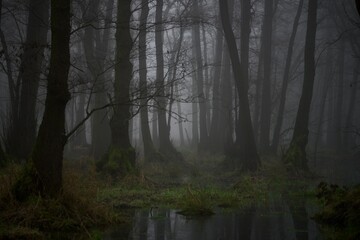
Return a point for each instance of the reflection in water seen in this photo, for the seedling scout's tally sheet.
(275, 220)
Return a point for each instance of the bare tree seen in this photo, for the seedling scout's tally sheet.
(296, 153)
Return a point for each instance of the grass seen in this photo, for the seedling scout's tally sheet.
(75, 210)
(90, 201)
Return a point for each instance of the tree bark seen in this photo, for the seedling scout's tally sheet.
(295, 156)
(245, 151)
(280, 116)
(47, 156)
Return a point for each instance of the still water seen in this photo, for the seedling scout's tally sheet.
(274, 222)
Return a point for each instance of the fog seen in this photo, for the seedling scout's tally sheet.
(207, 85)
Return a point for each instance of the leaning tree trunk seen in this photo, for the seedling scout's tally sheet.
(149, 148)
(276, 137)
(121, 156)
(47, 158)
(295, 156)
(246, 151)
(165, 146)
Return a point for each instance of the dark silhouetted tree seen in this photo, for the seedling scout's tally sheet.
(295, 155)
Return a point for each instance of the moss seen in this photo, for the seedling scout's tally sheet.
(118, 162)
(295, 157)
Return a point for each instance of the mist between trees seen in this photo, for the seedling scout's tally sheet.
(141, 81)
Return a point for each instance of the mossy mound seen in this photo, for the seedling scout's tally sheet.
(341, 210)
(118, 162)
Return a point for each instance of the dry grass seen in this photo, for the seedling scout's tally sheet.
(76, 209)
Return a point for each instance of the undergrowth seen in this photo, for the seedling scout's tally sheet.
(75, 210)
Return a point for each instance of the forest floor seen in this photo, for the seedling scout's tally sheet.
(92, 201)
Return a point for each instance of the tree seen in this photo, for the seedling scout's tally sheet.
(280, 116)
(121, 155)
(149, 148)
(2, 157)
(45, 170)
(266, 86)
(96, 48)
(296, 153)
(30, 71)
(203, 140)
(165, 146)
(215, 128)
(245, 149)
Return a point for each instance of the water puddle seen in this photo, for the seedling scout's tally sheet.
(278, 221)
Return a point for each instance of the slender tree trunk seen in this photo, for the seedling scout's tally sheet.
(203, 140)
(280, 116)
(257, 106)
(215, 128)
(349, 139)
(181, 129)
(339, 97)
(296, 154)
(266, 89)
(195, 111)
(80, 138)
(324, 93)
(207, 78)
(245, 152)
(47, 157)
(2, 157)
(165, 145)
(149, 148)
(30, 70)
(154, 128)
(100, 121)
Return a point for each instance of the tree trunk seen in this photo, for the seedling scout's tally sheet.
(266, 88)
(121, 155)
(47, 157)
(215, 128)
(203, 140)
(30, 70)
(95, 58)
(206, 80)
(149, 148)
(180, 123)
(195, 112)
(165, 145)
(280, 116)
(2, 157)
(339, 97)
(296, 154)
(323, 95)
(349, 139)
(245, 151)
